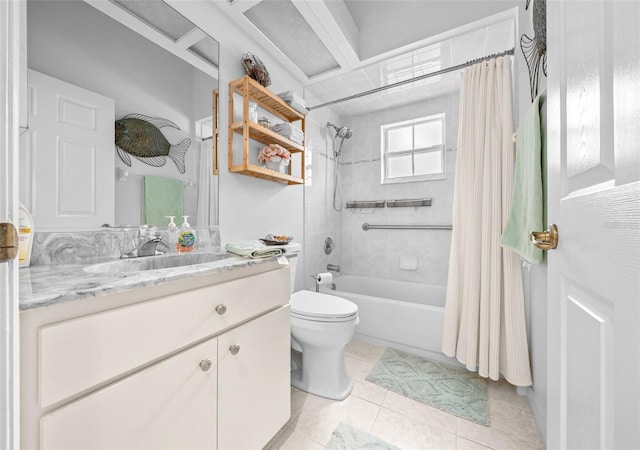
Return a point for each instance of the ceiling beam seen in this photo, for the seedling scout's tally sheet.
(338, 33)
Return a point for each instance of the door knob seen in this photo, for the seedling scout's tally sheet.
(545, 240)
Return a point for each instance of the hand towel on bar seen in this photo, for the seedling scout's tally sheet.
(253, 249)
(162, 197)
(526, 211)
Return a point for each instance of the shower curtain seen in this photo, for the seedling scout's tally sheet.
(484, 322)
(206, 208)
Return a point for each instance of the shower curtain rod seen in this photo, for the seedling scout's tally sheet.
(418, 78)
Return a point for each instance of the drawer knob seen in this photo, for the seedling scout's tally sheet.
(205, 364)
(234, 349)
(221, 309)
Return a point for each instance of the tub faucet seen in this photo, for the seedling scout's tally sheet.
(333, 268)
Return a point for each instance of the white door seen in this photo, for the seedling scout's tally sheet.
(13, 44)
(594, 198)
(68, 156)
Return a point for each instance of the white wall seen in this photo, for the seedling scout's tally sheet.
(74, 42)
(250, 208)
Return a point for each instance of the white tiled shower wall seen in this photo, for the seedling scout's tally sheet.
(377, 253)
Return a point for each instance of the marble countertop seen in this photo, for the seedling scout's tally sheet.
(45, 285)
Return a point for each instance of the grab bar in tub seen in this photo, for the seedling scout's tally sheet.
(367, 227)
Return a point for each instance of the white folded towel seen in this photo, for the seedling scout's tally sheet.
(286, 130)
(253, 249)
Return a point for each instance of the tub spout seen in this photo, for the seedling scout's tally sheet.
(333, 268)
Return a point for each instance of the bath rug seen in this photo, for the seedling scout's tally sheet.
(451, 389)
(348, 438)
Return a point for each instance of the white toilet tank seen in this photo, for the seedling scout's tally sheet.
(292, 251)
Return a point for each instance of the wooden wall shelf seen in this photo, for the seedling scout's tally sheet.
(251, 90)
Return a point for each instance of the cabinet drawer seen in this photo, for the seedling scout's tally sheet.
(78, 354)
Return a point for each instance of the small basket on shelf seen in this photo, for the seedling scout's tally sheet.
(256, 69)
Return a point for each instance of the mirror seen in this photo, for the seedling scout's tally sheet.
(166, 68)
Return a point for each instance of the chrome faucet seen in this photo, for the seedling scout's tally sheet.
(333, 268)
(148, 240)
(149, 247)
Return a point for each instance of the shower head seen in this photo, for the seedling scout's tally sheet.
(343, 132)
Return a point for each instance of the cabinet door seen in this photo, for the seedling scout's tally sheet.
(170, 405)
(254, 384)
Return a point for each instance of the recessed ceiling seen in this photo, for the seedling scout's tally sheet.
(160, 16)
(388, 25)
(160, 23)
(282, 24)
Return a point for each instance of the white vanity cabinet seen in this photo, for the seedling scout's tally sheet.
(204, 367)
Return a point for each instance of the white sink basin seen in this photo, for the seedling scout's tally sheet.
(156, 262)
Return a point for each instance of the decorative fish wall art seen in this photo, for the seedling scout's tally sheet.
(535, 49)
(140, 136)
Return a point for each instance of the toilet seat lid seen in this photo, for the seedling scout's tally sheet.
(319, 305)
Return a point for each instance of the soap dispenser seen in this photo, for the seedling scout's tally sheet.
(25, 236)
(172, 228)
(186, 237)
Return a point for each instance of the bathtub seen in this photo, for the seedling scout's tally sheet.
(404, 315)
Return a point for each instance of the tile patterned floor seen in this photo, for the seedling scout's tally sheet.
(404, 422)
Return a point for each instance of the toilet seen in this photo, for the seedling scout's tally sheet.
(321, 326)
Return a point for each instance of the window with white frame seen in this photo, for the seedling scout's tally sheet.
(413, 150)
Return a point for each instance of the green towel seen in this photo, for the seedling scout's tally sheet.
(162, 197)
(253, 249)
(526, 208)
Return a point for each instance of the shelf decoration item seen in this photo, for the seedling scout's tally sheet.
(535, 49)
(140, 136)
(274, 157)
(276, 239)
(256, 69)
(264, 122)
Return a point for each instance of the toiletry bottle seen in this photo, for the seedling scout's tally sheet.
(25, 236)
(253, 112)
(186, 237)
(172, 228)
